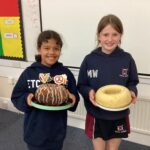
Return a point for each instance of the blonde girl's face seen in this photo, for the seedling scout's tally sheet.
(50, 52)
(109, 39)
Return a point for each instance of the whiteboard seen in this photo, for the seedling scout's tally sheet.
(76, 21)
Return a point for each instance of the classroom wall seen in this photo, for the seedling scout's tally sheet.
(11, 70)
(77, 21)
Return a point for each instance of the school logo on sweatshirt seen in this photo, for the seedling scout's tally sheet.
(124, 72)
(92, 73)
(33, 83)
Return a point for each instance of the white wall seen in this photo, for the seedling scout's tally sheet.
(77, 21)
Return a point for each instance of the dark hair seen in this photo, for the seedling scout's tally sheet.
(44, 36)
(112, 20)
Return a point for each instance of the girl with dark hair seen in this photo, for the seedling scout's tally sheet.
(44, 129)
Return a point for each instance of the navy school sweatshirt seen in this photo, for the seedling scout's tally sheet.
(42, 128)
(99, 69)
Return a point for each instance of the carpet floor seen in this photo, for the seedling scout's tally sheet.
(11, 135)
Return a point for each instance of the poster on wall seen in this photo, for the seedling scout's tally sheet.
(11, 30)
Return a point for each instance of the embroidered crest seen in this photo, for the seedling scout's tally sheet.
(124, 73)
(120, 129)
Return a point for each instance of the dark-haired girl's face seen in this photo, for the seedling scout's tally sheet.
(50, 52)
